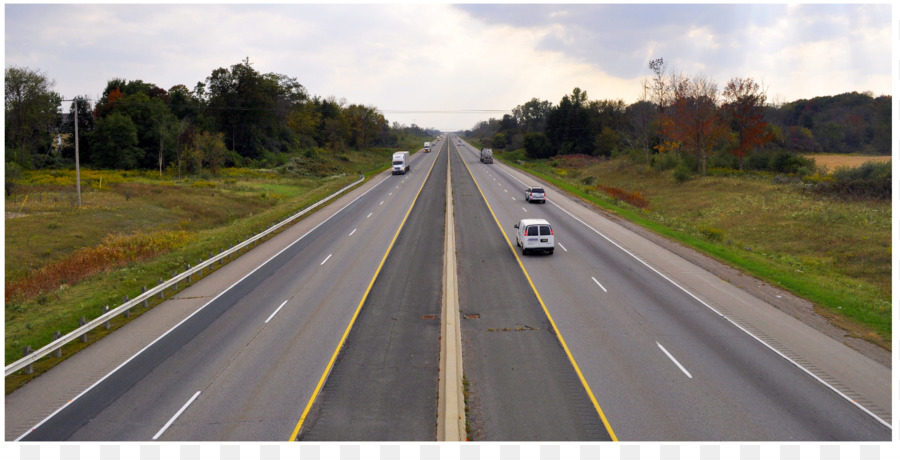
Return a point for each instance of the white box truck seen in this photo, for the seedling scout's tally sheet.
(427, 147)
(400, 163)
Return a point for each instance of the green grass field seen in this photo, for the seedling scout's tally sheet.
(833, 252)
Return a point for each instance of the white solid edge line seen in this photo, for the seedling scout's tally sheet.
(194, 313)
(174, 417)
(275, 312)
(674, 360)
(326, 259)
(598, 283)
(761, 341)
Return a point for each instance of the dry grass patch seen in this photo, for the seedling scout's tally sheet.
(831, 161)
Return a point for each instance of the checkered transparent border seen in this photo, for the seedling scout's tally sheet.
(450, 451)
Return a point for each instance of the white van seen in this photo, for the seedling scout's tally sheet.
(400, 163)
(534, 235)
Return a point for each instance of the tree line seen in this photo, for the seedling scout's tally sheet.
(684, 119)
(236, 116)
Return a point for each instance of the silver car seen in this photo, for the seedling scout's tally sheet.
(535, 194)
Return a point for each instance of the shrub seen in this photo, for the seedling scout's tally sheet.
(871, 180)
(711, 233)
(681, 173)
(635, 199)
(664, 161)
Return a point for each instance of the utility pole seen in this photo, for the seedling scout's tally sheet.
(77, 164)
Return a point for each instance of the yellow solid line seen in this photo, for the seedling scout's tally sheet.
(362, 301)
(559, 336)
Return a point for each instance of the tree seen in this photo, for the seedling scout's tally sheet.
(32, 113)
(211, 150)
(531, 117)
(693, 119)
(252, 109)
(537, 145)
(363, 123)
(745, 106)
(641, 117)
(568, 125)
(115, 143)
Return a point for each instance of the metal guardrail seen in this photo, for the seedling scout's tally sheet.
(100, 320)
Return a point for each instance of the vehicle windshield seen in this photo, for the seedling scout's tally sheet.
(397, 162)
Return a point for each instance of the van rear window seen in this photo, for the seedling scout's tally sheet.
(531, 230)
(545, 230)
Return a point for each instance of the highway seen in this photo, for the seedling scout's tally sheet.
(611, 337)
(244, 366)
(665, 364)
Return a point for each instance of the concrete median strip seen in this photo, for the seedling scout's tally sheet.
(451, 409)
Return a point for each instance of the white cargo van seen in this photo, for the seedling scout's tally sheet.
(534, 235)
(400, 163)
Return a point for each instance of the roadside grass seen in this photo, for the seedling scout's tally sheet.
(133, 229)
(834, 253)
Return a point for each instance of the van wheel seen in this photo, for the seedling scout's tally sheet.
(524, 251)
(551, 252)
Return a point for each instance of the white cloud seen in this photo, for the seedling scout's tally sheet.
(426, 63)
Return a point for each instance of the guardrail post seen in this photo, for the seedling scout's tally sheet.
(29, 369)
(162, 293)
(106, 323)
(81, 322)
(127, 311)
(188, 269)
(58, 352)
(199, 263)
(144, 291)
(174, 274)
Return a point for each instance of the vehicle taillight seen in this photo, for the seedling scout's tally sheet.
(551, 231)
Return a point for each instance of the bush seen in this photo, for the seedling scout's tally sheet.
(871, 180)
(664, 161)
(681, 173)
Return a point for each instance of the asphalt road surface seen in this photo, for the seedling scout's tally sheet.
(384, 384)
(663, 363)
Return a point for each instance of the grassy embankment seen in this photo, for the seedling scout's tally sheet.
(135, 228)
(833, 252)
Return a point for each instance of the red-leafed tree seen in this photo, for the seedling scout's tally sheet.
(693, 119)
(744, 106)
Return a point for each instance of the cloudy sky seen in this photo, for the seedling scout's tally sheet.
(449, 66)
